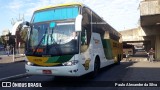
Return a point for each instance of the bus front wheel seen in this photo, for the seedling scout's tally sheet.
(96, 67)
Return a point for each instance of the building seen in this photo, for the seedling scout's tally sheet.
(148, 34)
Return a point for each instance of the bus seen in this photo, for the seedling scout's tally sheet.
(70, 40)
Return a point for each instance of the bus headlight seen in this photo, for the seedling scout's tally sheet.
(70, 63)
(29, 63)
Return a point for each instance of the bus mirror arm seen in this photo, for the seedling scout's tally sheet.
(78, 23)
(27, 23)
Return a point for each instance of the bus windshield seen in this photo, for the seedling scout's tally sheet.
(46, 39)
(53, 32)
(55, 14)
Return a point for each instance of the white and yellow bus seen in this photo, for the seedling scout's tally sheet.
(70, 40)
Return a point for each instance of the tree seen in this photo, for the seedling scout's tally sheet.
(1, 40)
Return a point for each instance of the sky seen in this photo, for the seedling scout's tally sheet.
(120, 14)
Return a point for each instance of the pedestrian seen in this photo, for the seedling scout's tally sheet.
(151, 53)
(128, 56)
(8, 50)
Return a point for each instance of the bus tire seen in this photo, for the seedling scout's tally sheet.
(118, 59)
(96, 67)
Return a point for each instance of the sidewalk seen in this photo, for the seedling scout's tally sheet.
(9, 59)
(137, 59)
(140, 59)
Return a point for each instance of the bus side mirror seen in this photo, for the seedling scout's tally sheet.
(78, 23)
(26, 23)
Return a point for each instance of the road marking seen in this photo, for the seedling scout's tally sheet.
(13, 77)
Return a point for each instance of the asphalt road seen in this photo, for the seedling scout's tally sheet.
(127, 71)
(11, 69)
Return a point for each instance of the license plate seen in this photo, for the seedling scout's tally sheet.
(47, 72)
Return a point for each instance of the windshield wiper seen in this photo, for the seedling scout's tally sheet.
(40, 42)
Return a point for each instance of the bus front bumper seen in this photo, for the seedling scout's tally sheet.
(55, 71)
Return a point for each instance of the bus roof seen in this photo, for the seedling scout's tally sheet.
(60, 5)
(79, 4)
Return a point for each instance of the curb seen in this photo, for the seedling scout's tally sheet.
(14, 77)
(14, 62)
(18, 61)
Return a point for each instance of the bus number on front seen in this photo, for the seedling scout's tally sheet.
(38, 60)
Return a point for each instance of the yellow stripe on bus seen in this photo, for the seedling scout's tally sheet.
(40, 61)
(60, 5)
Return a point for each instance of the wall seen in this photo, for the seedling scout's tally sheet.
(150, 7)
(157, 47)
